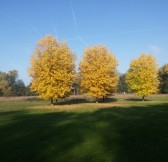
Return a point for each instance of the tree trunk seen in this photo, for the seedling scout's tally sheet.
(103, 98)
(96, 100)
(52, 101)
(143, 98)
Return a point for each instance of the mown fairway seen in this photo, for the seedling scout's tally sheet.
(121, 130)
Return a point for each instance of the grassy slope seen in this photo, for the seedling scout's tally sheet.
(134, 131)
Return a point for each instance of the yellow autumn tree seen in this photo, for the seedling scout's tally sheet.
(142, 77)
(52, 69)
(98, 72)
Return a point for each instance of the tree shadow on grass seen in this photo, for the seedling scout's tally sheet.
(107, 100)
(73, 101)
(108, 134)
(80, 101)
(136, 99)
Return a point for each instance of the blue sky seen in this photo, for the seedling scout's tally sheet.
(127, 27)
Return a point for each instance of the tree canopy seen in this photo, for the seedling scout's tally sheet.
(142, 77)
(52, 68)
(10, 85)
(163, 77)
(122, 85)
(98, 72)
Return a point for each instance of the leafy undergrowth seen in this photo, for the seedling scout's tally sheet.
(127, 130)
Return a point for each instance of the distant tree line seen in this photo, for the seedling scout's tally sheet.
(10, 85)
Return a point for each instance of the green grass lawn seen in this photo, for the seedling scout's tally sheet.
(121, 130)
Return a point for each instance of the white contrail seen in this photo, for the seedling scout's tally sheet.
(74, 18)
(76, 26)
(71, 39)
(121, 33)
(55, 31)
(128, 32)
(36, 30)
(18, 21)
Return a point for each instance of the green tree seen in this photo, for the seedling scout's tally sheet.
(142, 77)
(19, 88)
(10, 85)
(163, 77)
(122, 85)
(5, 89)
(12, 77)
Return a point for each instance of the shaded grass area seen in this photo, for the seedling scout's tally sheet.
(138, 132)
(84, 100)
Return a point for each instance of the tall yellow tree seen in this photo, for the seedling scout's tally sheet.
(98, 72)
(52, 68)
(142, 77)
